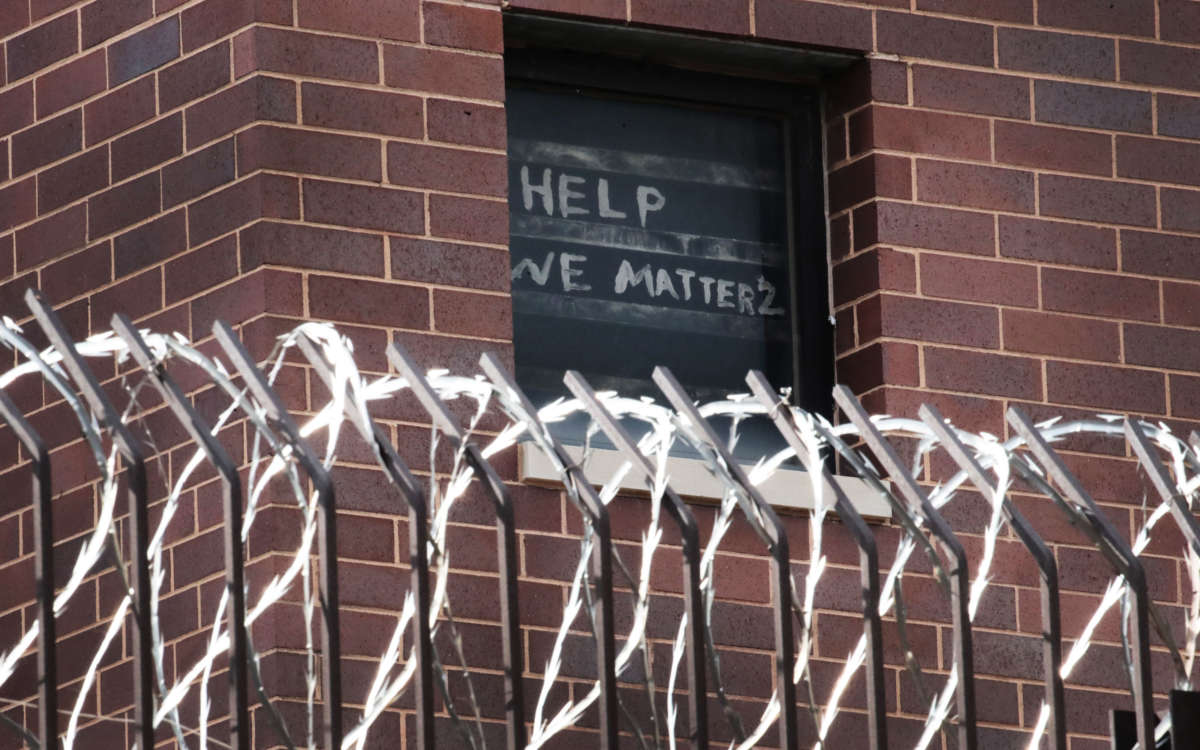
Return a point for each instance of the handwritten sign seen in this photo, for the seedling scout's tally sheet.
(646, 233)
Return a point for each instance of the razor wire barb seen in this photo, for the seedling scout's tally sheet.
(272, 465)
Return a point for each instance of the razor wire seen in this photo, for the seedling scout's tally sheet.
(354, 396)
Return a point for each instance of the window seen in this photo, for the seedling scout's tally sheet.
(662, 215)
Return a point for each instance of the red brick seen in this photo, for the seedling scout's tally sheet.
(465, 122)
(930, 133)
(52, 237)
(105, 19)
(612, 9)
(989, 374)
(934, 38)
(123, 205)
(1158, 160)
(16, 107)
(39, 9)
(256, 197)
(47, 141)
(137, 297)
(723, 16)
(146, 50)
(1020, 11)
(299, 53)
(1180, 209)
(72, 83)
(867, 81)
(309, 247)
(376, 303)
(198, 172)
(472, 314)
(884, 362)
(73, 179)
(1069, 55)
(837, 142)
(1108, 201)
(1135, 17)
(193, 77)
(1181, 303)
(1179, 20)
(843, 330)
(871, 271)
(1053, 148)
(876, 175)
(975, 280)
(364, 207)
(248, 297)
(813, 23)
(201, 269)
(1058, 242)
(1092, 106)
(839, 236)
(119, 110)
(1061, 335)
(1185, 396)
(76, 274)
(974, 186)
(970, 91)
(966, 412)
(442, 72)
(42, 45)
(1174, 67)
(347, 108)
(1162, 347)
(454, 170)
(1156, 254)
(449, 264)
(468, 219)
(931, 321)
(1178, 115)
(1099, 294)
(930, 227)
(294, 150)
(1106, 387)
(463, 27)
(259, 98)
(147, 147)
(213, 19)
(150, 243)
(13, 17)
(372, 18)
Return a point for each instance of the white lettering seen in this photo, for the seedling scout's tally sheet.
(565, 260)
(627, 277)
(745, 298)
(664, 284)
(768, 290)
(527, 191)
(606, 209)
(565, 194)
(707, 282)
(648, 199)
(724, 293)
(538, 274)
(686, 274)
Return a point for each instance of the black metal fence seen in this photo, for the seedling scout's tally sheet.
(1035, 463)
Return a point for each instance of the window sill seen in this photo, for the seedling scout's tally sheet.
(788, 488)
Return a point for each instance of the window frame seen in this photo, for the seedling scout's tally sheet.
(799, 109)
(693, 70)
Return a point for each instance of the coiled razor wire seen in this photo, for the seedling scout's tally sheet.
(355, 396)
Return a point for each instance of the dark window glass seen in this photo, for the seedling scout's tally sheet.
(652, 231)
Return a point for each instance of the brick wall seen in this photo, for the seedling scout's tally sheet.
(1014, 193)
